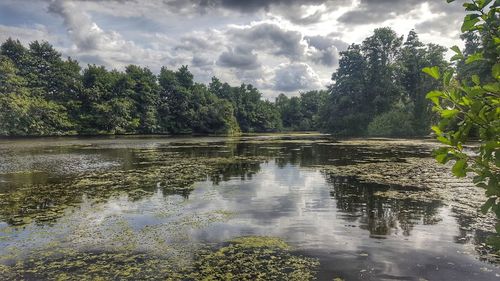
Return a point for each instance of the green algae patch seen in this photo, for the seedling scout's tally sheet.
(244, 258)
(170, 172)
(253, 258)
(94, 266)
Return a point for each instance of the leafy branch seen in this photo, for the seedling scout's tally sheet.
(469, 108)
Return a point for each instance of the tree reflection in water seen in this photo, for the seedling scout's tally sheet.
(380, 215)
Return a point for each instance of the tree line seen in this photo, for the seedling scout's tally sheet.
(43, 94)
(378, 89)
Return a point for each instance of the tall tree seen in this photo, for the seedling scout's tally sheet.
(347, 112)
(146, 97)
(381, 51)
(413, 57)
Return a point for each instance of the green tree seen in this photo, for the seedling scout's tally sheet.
(17, 53)
(312, 102)
(24, 114)
(381, 51)
(347, 110)
(413, 58)
(146, 96)
(174, 104)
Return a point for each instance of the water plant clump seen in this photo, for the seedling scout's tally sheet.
(172, 173)
(253, 258)
(93, 266)
(245, 258)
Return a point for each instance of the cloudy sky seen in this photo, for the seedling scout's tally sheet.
(278, 46)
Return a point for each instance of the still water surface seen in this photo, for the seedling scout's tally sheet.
(355, 234)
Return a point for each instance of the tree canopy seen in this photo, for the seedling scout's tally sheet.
(378, 89)
(43, 94)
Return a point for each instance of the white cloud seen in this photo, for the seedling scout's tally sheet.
(296, 76)
(285, 45)
(26, 34)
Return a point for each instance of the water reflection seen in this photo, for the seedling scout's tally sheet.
(143, 194)
(381, 215)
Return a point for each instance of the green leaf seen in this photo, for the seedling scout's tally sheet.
(487, 206)
(441, 154)
(434, 94)
(449, 113)
(449, 1)
(432, 71)
(456, 49)
(469, 22)
(495, 71)
(471, 6)
(444, 140)
(442, 158)
(438, 131)
(484, 3)
(474, 57)
(477, 179)
(459, 169)
(458, 52)
(492, 88)
(490, 190)
(475, 79)
(447, 77)
(493, 241)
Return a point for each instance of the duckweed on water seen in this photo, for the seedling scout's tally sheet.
(93, 266)
(174, 175)
(253, 258)
(246, 258)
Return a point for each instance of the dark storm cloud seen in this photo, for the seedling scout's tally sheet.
(376, 11)
(192, 43)
(325, 49)
(452, 15)
(267, 36)
(249, 6)
(200, 61)
(239, 57)
(289, 9)
(324, 42)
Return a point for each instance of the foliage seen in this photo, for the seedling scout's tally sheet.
(252, 113)
(43, 94)
(23, 113)
(469, 104)
(393, 123)
(375, 77)
(302, 112)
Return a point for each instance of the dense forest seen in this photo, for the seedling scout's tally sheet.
(378, 90)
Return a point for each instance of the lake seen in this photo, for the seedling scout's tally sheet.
(298, 206)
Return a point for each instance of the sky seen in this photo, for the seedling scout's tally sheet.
(282, 46)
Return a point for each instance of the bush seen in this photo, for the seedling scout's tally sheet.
(394, 123)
